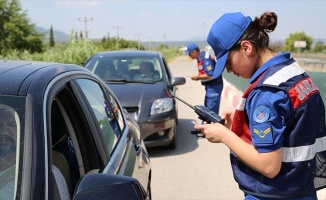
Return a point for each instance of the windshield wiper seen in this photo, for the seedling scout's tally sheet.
(128, 81)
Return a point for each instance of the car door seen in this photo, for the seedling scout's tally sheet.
(126, 155)
(89, 133)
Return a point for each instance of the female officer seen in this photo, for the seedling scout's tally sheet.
(277, 134)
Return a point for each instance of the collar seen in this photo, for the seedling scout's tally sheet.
(282, 57)
(201, 56)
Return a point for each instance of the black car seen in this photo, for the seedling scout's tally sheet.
(144, 85)
(64, 135)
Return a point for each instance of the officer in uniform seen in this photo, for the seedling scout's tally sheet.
(213, 86)
(277, 134)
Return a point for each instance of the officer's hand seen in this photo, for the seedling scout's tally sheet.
(214, 132)
(228, 116)
(195, 77)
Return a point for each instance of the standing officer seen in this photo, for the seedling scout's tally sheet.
(213, 87)
(277, 134)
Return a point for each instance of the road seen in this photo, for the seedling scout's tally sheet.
(196, 169)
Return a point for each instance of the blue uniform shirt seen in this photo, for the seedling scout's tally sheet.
(268, 110)
(208, 64)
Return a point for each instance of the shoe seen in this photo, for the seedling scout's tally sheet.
(195, 132)
(201, 135)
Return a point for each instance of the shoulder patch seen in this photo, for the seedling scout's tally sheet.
(262, 134)
(261, 114)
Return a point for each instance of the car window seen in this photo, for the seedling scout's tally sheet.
(106, 111)
(11, 128)
(75, 149)
(167, 69)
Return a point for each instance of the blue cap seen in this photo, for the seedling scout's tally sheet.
(225, 32)
(191, 47)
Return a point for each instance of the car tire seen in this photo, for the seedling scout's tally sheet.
(173, 143)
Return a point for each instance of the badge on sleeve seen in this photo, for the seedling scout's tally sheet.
(261, 114)
(208, 65)
(262, 134)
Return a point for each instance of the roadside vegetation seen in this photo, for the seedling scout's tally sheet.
(78, 51)
(20, 41)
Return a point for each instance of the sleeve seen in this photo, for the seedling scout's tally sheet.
(268, 110)
(208, 66)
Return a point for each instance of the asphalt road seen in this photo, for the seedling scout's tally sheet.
(196, 169)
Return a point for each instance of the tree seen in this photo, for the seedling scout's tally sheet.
(162, 47)
(297, 36)
(81, 37)
(51, 39)
(16, 32)
(319, 47)
(103, 40)
(76, 36)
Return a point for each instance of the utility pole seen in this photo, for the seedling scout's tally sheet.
(164, 38)
(204, 23)
(117, 28)
(85, 21)
(138, 39)
(149, 43)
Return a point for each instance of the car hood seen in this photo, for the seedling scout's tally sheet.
(137, 95)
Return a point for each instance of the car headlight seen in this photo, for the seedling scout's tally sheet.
(161, 106)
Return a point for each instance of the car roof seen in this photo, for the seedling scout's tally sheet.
(129, 53)
(16, 76)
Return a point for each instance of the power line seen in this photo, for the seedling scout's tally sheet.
(138, 34)
(117, 43)
(85, 21)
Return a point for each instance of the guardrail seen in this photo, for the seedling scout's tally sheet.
(312, 64)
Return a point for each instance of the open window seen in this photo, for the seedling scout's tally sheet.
(74, 152)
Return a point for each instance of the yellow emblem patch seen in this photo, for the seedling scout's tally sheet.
(262, 133)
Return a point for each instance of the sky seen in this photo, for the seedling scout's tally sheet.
(170, 20)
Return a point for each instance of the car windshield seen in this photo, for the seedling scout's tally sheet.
(126, 69)
(12, 114)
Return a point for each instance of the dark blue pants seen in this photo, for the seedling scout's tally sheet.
(213, 96)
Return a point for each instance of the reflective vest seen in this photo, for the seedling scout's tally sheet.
(303, 169)
(201, 69)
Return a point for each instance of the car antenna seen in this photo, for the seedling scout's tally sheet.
(203, 112)
(191, 106)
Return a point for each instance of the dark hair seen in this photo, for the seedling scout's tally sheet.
(148, 65)
(257, 31)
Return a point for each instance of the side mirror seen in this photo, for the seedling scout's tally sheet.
(178, 81)
(107, 186)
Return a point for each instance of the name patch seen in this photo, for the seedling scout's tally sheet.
(302, 91)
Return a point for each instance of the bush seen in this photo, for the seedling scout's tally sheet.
(78, 51)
